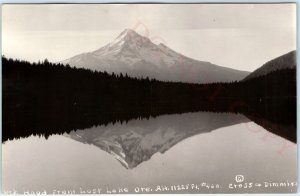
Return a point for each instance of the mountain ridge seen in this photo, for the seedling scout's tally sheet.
(285, 61)
(137, 56)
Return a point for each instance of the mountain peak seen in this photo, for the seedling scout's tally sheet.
(128, 36)
(127, 32)
(128, 43)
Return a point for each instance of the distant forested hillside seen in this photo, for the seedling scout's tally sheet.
(286, 61)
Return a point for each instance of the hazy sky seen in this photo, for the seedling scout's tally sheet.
(240, 36)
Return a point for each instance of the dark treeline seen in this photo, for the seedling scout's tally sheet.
(46, 98)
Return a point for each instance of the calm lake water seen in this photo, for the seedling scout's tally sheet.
(194, 152)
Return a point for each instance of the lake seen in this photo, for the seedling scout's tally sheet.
(201, 152)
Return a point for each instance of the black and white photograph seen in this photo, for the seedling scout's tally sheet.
(149, 98)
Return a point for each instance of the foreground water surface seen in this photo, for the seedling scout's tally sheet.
(198, 152)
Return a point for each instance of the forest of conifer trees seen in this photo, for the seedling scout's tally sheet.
(45, 98)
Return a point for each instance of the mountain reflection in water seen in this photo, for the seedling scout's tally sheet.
(136, 141)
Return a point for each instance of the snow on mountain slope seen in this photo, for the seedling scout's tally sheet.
(286, 61)
(137, 56)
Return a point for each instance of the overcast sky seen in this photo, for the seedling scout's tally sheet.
(240, 36)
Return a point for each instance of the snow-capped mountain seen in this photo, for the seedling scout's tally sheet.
(286, 61)
(137, 56)
(136, 141)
